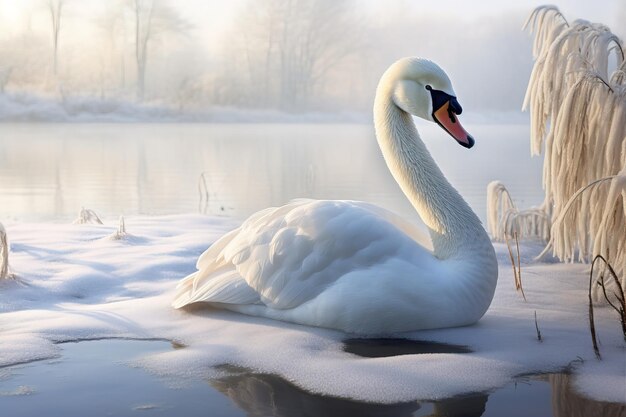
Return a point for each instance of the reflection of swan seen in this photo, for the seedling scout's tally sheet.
(271, 395)
(356, 267)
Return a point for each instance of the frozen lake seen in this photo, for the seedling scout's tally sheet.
(48, 171)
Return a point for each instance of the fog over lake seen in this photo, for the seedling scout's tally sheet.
(50, 171)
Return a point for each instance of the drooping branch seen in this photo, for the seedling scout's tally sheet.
(578, 120)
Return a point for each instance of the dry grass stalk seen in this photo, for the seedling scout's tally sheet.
(203, 193)
(537, 328)
(517, 269)
(87, 216)
(618, 294)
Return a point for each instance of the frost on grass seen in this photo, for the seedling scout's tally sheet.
(505, 220)
(4, 254)
(87, 216)
(120, 233)
(578, 120)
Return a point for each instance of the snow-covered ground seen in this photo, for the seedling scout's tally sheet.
(76, 282)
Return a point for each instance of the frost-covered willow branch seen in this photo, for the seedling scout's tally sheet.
(593, 223)
(578, 118)
(4, 253)
(505, 220)
(547, 23)
(555, 71)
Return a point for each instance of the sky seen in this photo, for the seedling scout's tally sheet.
(213, 16)
(216, 14)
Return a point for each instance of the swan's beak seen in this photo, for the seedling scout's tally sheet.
(446, 117)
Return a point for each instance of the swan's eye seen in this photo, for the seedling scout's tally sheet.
(428, 87)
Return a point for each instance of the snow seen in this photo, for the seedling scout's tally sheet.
(74, 282)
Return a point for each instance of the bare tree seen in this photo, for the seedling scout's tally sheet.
(55, 8)
(151, 19)
(143, 12)
(112, 26)
(291, 45)
(5, 76)
(23, 60)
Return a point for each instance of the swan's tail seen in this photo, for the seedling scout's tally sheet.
(215, 281)
(224, 285)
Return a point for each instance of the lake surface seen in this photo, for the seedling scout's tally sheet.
(95, 378)
(49, 171)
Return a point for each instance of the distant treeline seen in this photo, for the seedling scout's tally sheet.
(288, 55)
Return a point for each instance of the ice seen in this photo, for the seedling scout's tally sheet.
(75, 283)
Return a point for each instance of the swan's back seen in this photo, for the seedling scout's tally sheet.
(283, 257)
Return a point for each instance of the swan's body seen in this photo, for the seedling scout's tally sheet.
(353, 266)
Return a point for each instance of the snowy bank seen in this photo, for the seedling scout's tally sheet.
(20, 107)
(86, 109)
(75, 282)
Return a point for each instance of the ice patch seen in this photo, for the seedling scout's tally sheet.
(21, 390)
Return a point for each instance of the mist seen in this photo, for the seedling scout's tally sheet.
(293, 56)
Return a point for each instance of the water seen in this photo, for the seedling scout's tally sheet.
(380, 348)
(93, 378)
(48, 171)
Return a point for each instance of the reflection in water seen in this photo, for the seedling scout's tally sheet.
(463, 406)
(270, 395)
(380, 348)
(90, 378)
(50, 171)
(567, 402)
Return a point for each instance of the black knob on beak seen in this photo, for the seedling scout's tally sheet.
(455, 106)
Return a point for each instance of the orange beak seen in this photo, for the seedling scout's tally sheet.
(446, 118)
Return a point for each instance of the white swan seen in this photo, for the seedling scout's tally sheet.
(355, 267)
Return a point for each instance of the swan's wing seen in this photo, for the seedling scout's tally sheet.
(286, 256)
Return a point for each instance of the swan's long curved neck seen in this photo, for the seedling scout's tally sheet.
(452, 223)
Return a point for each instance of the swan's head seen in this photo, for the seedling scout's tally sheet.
(423, 89)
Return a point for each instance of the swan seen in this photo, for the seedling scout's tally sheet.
(355, 267)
